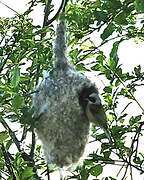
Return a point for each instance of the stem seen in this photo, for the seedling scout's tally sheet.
(130, 93)
(9, 8)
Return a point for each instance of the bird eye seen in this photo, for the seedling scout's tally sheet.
(92, 99)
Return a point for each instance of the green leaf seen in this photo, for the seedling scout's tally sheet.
(137, 160)
(137, 71)
(19, 160)
(98, 67)
(3, 136)
(28, 172)
(111, 178)
(101, 57)
(84, 174)
(107, 154)
(80, 67)
(16, 76)
(112, 5)
(134, 120)
(100, 16)
(8, 144)
(139, 6)
(28, 12)
(120, 19)
(108, 98)
(108, 31)
(111, 117)
(26, 117)
(112, 62)
(96, 171)
(108, 74)
(108, 89)
(114, 49)
(18, 102)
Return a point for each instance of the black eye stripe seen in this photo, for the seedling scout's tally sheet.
(92, 99)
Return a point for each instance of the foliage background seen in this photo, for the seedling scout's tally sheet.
(26, 52)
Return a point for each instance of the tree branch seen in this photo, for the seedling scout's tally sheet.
(129, 163)
(6, 59)
(7, 162)
(47, 12)
(32, 5)
(126, 169)
(64, 6)
(60, 8)
(135, 139)
(25, 156)
(48, 173)
(12, 135)
(23, 134)
(129, 92)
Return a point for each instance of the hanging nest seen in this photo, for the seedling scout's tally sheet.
(59, 104)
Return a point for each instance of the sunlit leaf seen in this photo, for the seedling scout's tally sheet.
(96, 171)
(16, 76)
(8, 144)
(3, 136)
(108, 89)
(114, 49)
(28, 172)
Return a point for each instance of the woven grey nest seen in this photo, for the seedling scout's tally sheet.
(59, 105)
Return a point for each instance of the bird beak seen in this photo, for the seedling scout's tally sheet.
(101, 116)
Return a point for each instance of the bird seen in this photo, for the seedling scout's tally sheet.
(95, 113)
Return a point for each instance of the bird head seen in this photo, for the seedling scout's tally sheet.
(95, 111)
(96, 114)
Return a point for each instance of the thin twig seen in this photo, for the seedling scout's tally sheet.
(130, 93)
(33, 145)
(4, 173)
(48, 173)
(9, 8)
(8, 55)
(64, 6)
(32, 4)
(125, 107)
(131, 174)
(136, 139)
(97, 47)
(37, 73)
(23, 134)
(137, 145)
(126, 169)
(127, 162)
(120, 170)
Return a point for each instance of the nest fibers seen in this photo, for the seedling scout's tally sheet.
(59, 105)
